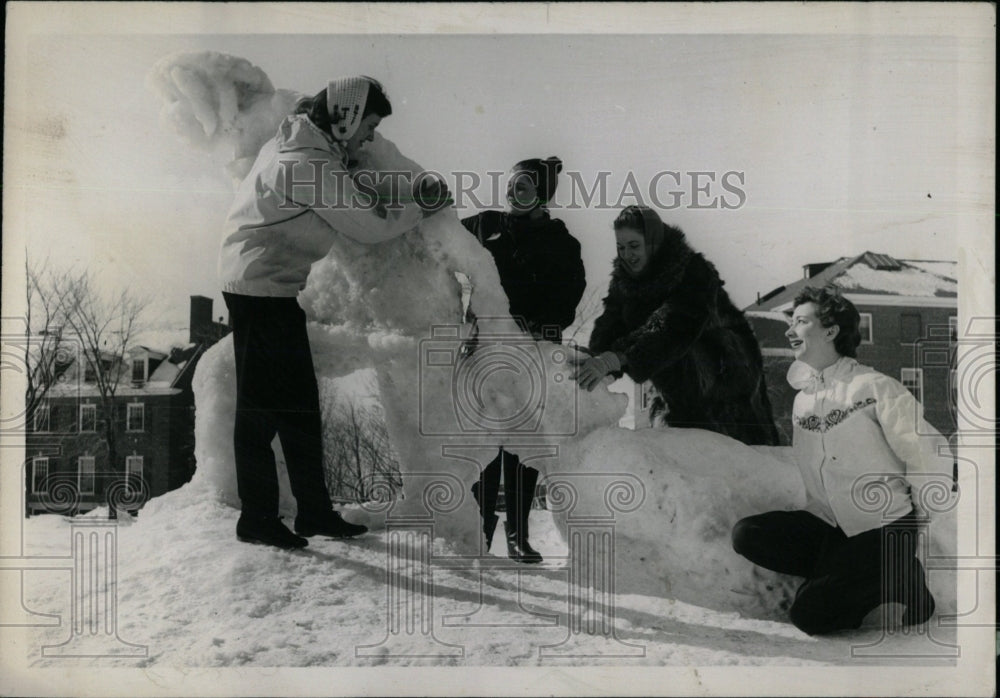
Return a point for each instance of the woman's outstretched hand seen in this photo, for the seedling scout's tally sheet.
(432, 195)
(591, 371)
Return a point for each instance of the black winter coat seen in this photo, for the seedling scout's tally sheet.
(675, 325)
(540, 268)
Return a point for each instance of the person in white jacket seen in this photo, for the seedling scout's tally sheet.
(857, 445)
(297, 198)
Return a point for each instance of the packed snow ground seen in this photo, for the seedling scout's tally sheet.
(195, 597)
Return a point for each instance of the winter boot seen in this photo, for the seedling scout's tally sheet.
(331, 525)
(519, 489)
(486, 490)
(268, 531)
(917, 597)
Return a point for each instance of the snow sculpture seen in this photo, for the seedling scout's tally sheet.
(671, 496)
(395, 307)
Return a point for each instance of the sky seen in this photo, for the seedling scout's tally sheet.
(839, 143)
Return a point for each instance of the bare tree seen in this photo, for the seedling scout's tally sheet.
(46, 352)
(588, 309)
(105, 324)
(359, 458)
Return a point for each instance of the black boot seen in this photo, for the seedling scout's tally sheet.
(486, 490)
(519, 490)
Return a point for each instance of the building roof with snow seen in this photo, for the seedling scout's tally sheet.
(874, 278)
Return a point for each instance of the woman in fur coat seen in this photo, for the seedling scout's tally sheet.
(668, 319)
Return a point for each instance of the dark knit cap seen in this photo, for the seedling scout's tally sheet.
(543, 175)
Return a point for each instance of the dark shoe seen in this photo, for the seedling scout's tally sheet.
(268, 532)
(519, 550)
(331, 526)
(919, 612)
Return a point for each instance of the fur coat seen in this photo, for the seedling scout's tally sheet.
(675, 325)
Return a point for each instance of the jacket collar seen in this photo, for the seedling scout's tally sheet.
(802, 376)
(298, 132)
(665, 270)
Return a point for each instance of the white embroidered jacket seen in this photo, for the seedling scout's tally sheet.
(857, 438)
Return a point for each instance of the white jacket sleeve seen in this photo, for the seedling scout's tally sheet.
(913, 441)
(326, 187)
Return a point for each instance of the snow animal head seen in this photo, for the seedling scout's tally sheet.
(213, 100)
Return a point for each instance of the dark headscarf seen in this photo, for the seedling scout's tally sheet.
(544, 175)
(661, 240)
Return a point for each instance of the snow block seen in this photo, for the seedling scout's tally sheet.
(680, 492)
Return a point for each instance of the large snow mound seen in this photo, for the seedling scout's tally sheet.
(679, 493)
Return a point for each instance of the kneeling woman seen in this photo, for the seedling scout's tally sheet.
(668, 319)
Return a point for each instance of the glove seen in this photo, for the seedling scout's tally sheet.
(432, 196)
(590, 373)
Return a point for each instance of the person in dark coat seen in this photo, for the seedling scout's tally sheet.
(538, 260)
(668, 319)
(542, 273)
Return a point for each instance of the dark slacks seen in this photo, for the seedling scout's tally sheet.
(846, 577)
(276, 393)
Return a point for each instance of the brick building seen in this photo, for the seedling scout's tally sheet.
(908, 312)
(67, 469)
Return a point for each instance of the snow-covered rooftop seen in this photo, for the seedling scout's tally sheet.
(873, 273)
(908, 281)
(125, 389)
(941, 268)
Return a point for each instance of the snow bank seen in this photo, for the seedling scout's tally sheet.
(679, 494)
(691, 487)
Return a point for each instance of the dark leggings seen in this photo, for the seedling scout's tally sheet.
(276, 393)
(846, 577)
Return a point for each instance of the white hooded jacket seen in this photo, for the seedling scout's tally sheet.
(857, 438)
(297, 197)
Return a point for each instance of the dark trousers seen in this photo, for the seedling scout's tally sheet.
(846, 577)
(276, 393)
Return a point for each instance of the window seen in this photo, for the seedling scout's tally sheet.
(909, 328)
(644, 389)
(133, 474)
(953, 327)
(42, 413)
(39, 475)
(138, 370)
(866, 328)
(135, 417)
(88, 418)
(89, 374)
(913, 380)
(85, 475)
